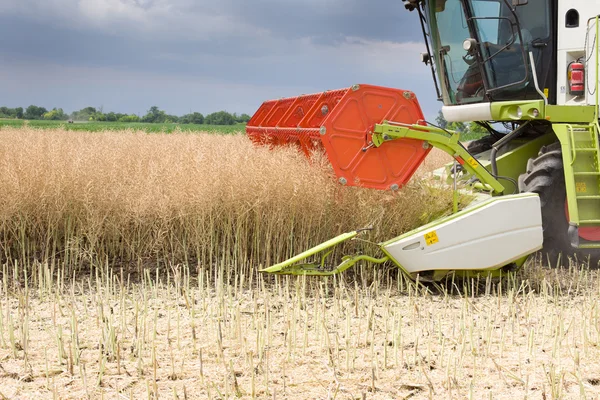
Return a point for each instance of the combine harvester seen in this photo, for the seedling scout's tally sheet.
(529, 64)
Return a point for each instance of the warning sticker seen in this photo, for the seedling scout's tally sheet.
(581, 187)
(431, 238)
(472, 162)
(546, 92)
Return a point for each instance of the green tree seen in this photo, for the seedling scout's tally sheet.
(474, 127)
(456, 126)
(129, 118)
(98, 116)
(440, 120)
(242, 119)
(34, 112)
(19, 112)
(56, 114)
(193, 118)
(111, 117)
(219, 118)
(84, 114)
(6, 112)
(155, 115)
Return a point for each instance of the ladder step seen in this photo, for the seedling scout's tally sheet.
(589, 222)
(590, 246)
(586, 173)
(588, 197)
(585, 149)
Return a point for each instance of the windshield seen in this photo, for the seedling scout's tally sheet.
(460, 82)
(497, 66)
(503, 55)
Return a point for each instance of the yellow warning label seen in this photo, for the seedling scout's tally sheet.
(472, 162)
(431, 238)
(581, 187)
(546, 92)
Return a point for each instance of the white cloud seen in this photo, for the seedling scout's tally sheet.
(376, 56)
(103, 11)
(176, 18)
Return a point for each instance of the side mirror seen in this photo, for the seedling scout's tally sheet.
(425, 58)
(517, 3)
(469, 45)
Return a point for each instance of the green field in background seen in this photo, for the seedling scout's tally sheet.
(150, 128)
(102, 126)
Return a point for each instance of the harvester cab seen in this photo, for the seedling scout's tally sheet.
(530, 65)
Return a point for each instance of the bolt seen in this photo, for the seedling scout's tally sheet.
(407, 95)
(323, 131)
(343, 181)
(394, 187)
(386, 137)
(425, 145)
(355, 88)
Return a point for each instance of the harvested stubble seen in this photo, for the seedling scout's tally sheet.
(129, 198)
(195, 336)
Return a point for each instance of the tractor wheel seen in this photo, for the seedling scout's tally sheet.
(545, 176)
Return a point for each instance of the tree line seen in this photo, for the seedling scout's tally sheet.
(154, 115)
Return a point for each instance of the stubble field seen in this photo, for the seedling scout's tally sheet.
(129, 270)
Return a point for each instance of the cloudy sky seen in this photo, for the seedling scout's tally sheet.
(203, 55)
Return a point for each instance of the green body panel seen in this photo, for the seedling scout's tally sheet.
(513, 162)
(581, 159)
(509, 110)
(443, 140)
(558, 114)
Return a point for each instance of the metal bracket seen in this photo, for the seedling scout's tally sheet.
(573, 234)
(295, 266)
(442, 139)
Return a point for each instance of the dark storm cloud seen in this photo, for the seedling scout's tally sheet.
(330, 20)
(256, 49)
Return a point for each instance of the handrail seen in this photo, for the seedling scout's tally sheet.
(595, 19)
(597, 66)
(572, 143)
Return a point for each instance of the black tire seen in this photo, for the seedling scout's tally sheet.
(545, 176)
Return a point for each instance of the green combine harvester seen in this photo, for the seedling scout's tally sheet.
(529, 65)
